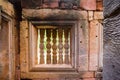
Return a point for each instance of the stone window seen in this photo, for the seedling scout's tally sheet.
(52, 46)
(32, 65)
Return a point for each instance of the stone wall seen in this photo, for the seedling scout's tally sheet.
(90, 14)
(7, 62)
(90, 11)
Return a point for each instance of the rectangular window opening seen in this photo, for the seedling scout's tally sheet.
(53, 45)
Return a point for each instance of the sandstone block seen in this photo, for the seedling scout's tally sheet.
(100, 5)
(7, 7)
(88, 4)
(94, 45)
(90, 79)
(98, 15)
(90, 15)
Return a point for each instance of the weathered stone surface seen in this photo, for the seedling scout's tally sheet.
(64, 4)
(7, 7)
(111, 67)
(90, 15)
(56, 14)
(54, 79)
(69, 4)
(99, 0)
(94, 45)
(89, 79)
(83, 43)
(31, 3)
(17, 75)
(4, 51)
(23, 45)
(47, 4)
(100, 46)
(111, 58)
(87, 74)
(88, 4)
(72, 79)
(110, 6)
(111, 40)
(59, 76)
(7, 62)
(98, 15)
(100, 5)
